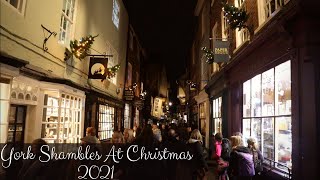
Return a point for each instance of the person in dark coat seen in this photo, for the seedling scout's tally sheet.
(198, 164)
(241, 166)
(146, 169)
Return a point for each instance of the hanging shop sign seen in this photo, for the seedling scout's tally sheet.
(139, 104)
(97, 68)
(221, 51)
(128, 95)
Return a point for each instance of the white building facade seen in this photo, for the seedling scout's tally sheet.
(43, 94)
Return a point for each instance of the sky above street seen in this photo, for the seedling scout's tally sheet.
(165, 29)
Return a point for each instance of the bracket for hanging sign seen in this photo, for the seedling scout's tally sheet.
(44, 46)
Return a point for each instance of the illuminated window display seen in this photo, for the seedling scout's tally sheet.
(267, 113)
(106, 122)
(61, 118)
(217, 115)
(127, 117)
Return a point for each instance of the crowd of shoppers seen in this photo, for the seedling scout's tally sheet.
(234, 160)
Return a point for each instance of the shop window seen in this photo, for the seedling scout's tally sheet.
(127, 117)
(19, 5)
(61, 118)
(217, 120)
(67, 22)
(106, 122)
(116, 13)
(267, 114)
(137, 117)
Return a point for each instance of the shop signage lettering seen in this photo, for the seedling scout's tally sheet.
(106, 101)
(98, 68)
(128, 95)
(221, 51)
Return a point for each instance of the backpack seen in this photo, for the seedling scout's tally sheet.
(257, 162)
(244, 164)
(225, 149)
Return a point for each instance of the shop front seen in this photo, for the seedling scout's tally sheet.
(104, 113)
(260, 93)
(32, 109)
(203, 106)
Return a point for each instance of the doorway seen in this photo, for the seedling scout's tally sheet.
(17, 118)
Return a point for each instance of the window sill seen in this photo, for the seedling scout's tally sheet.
(240, 46)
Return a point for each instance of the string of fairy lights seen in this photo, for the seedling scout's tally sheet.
(80, 49)
(236, 17)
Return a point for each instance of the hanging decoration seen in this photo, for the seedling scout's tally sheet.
(209, 54)
(80, 49)
(236, 17)
(111, 72)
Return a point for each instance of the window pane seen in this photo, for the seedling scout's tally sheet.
(220, 102)
(217, 125)
(246, 99)
(268, 140)
(256, 96)
(284, 141)
(14, 3)
(256, 131)
(283, 88)
(268, 93)
(246, 129)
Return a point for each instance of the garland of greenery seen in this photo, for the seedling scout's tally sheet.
(80, 49)
(111, 72)
(236, 17)
(209, 54)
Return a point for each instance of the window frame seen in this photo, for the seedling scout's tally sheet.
(217, 113)
(116, 13)
(127, 116)
(242, 35)
(106, 120)
(275, 116)
(75, 113)
(23, 6)
(71, 22)
(262, 17)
